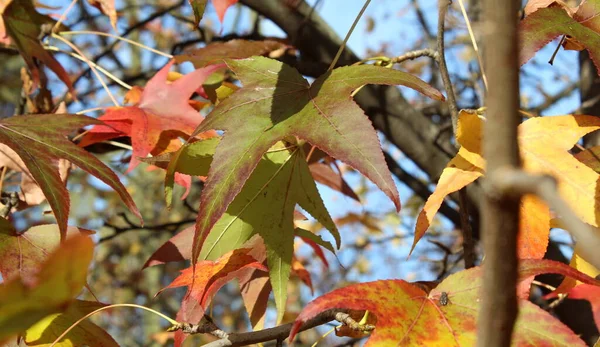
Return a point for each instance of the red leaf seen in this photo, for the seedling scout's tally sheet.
(590, 293)
(178, 248)
(163, 113)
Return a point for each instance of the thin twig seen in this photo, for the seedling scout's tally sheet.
(428, 52)
(468, 243)
(339, 52)
(281, 332)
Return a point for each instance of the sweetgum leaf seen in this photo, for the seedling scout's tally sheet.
(21, 254)
(40, 141)
(210, 276)
(86, 333)
(544, 143)
(108, 8)
(232, 49)
(23, 24)
(277, 102)
(60, 279)
(546, 24)
(161, 114)
(265, 206)
(407, 315)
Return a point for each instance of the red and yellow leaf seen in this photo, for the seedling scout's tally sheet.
(407, 315)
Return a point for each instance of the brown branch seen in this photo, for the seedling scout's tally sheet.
(468, 243)
(428, 52)
(500, 213)
(278, 333)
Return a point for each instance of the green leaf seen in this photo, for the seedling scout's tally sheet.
(40, 140)
(546, 24)
(86, 333)
(60, 279)
(198, 6)
(275, 103)
(315, 238)
(265, 206)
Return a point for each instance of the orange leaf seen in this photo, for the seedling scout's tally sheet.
(210, 276)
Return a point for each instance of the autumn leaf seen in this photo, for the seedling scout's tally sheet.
(60, 278)
(85, 333)
(407, 315)
(31, 194)
(24, 26)
(544, 143)
(221, 7)
(40, 141)
(210, 276)
(282, 104)
(265, 206)
(232, 49)
(546, 24)
(21, 254)
(108, 8)
(162, 114)
(324, 174)
(592, 295)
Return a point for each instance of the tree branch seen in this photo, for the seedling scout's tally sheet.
(500, 213)
(278, 333)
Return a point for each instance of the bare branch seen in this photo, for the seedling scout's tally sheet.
(500, 214)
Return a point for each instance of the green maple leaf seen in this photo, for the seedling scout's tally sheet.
(40, 140)
(275, 103)
(265, 206)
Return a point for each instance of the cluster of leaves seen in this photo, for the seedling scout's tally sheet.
(259, 152)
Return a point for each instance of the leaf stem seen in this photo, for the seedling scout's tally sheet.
(131, 42)
(63, 16)
(100, 68)
(87, 61)
(339, 52)
(170, 320)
